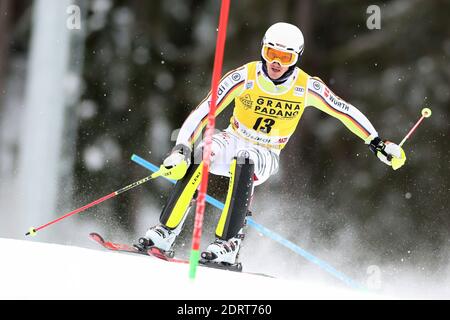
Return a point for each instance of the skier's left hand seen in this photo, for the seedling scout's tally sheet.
(388, 152)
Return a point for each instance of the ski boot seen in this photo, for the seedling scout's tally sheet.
(159, 237)
(223, 254)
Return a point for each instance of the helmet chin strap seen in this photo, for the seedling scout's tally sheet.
(281, 79)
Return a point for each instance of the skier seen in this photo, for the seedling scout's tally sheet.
(269, 98)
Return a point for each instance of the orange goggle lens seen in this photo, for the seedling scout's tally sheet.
(283, 57)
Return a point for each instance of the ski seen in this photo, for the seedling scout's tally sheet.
(113, 246)
(155, 252)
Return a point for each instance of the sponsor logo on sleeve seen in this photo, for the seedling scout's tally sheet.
(336, 102)
(317, 86)
(222, 89)
(236, 76)
(333, 100)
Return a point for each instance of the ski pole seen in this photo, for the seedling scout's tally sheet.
(32, 231)
(426, 113)
(398, 162)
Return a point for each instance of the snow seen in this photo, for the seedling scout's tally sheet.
(44, 271)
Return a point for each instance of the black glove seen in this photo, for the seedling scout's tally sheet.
(386, 151)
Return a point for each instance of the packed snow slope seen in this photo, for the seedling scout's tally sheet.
(34, 270)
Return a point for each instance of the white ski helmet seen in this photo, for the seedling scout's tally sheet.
(284, 37)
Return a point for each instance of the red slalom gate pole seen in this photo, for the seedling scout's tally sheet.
(32, 231)
(217, 71)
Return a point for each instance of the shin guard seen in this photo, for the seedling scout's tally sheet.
(238, 198)
(180, 199)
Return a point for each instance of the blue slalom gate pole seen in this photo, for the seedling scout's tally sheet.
(270, 234)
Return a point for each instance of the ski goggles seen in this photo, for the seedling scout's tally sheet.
(285, 58)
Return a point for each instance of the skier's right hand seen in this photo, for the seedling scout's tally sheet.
(176, 164)
(179, 153)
